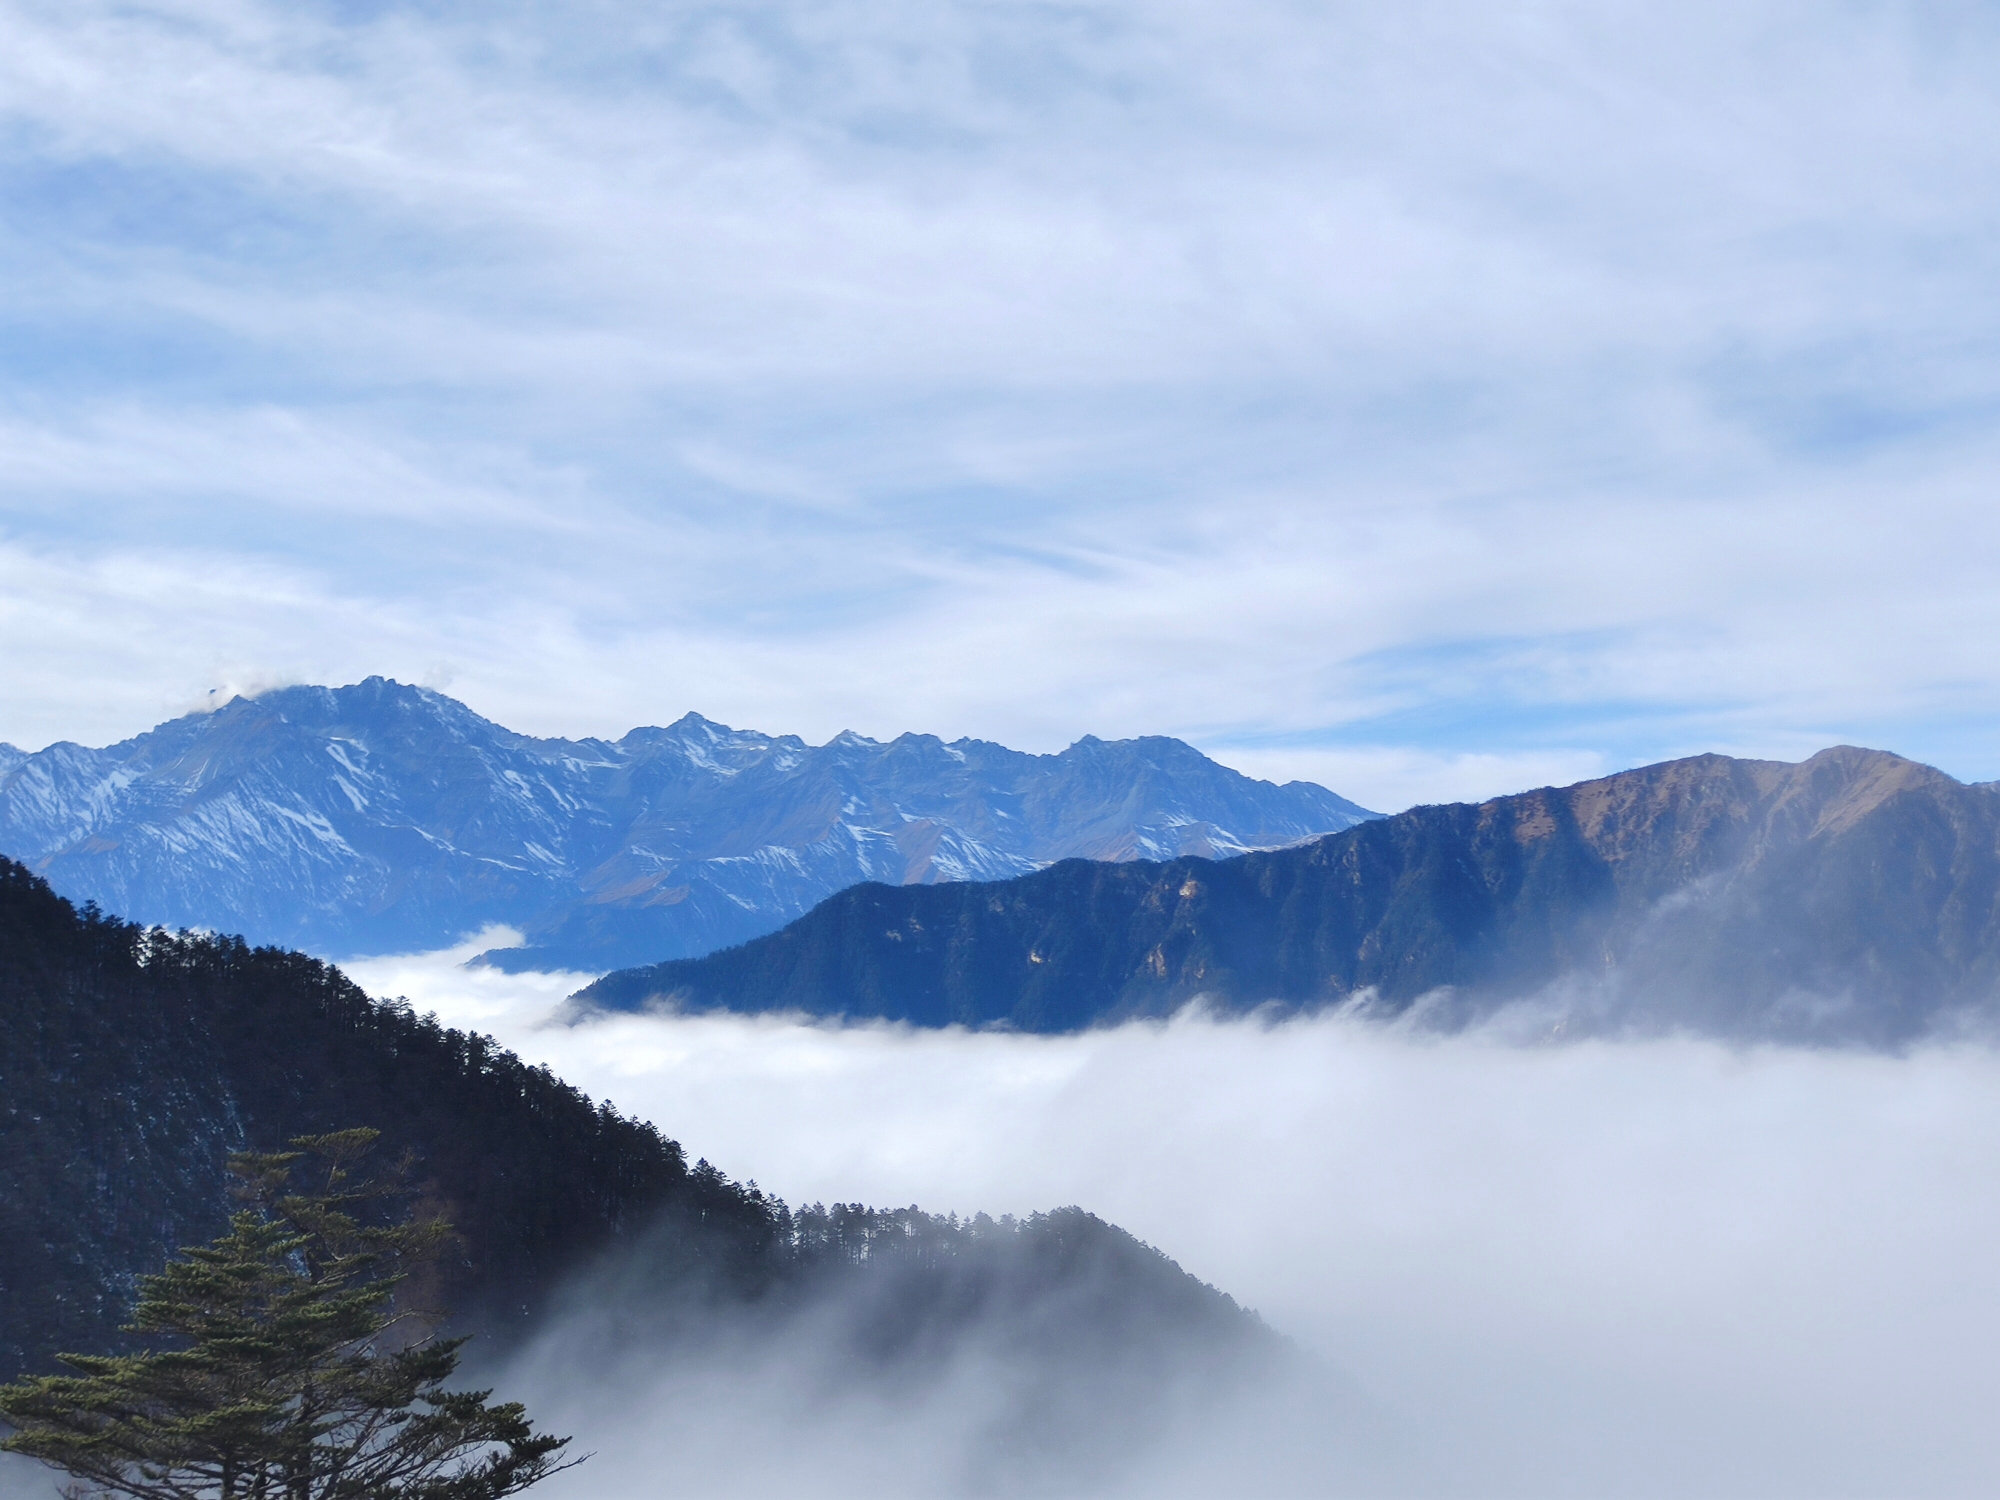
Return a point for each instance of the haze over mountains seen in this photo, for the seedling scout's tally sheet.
(1852, 897)
(381, 818)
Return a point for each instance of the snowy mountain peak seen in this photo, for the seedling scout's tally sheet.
(379, 817)
(692, 723)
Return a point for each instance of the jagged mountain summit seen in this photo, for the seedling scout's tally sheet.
(1854, 897)
(380, 817)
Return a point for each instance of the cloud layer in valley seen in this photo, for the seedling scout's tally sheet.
(1664, 1268)
(1430, 399)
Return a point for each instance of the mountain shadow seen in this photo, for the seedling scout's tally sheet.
(1852, 897)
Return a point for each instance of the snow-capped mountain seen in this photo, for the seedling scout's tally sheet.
(379, 818)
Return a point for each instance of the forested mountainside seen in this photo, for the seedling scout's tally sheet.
(133, 1061)
(1855, 896)
(380, 818)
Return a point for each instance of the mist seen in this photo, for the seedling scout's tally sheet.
(1665, 1267)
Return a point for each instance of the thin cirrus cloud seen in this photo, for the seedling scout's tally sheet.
(1420, 398)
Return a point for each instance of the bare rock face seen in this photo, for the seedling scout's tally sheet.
(1854, 897)
(380, 818)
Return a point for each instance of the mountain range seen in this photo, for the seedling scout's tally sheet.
(380, 817)
(1853, 897)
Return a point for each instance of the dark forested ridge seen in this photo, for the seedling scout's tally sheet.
(132, 1061)
(1853, 896)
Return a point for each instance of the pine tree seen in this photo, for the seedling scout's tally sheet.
(289, 1371)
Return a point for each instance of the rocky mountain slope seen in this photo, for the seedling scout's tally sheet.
(133, 1061)
(379, 818)
(1853, 897)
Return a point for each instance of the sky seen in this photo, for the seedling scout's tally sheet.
(1430, 399)
(1640, 1268)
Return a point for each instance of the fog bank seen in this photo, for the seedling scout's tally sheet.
(1661, 1268)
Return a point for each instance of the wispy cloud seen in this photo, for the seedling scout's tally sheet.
(1441, 381)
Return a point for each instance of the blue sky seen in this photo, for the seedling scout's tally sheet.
(1431, 399)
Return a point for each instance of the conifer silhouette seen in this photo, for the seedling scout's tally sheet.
(285, 1368)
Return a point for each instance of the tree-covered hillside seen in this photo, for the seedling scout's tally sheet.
(133, 1061)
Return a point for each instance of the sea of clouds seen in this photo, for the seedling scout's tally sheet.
(1658, 1268)
(1669, 1267)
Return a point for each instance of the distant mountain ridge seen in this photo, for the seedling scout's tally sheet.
(381, 817)
(1853, 897)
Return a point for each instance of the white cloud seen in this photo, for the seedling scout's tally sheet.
(1445, 381)
(1391, 780)
(1662, 1269)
